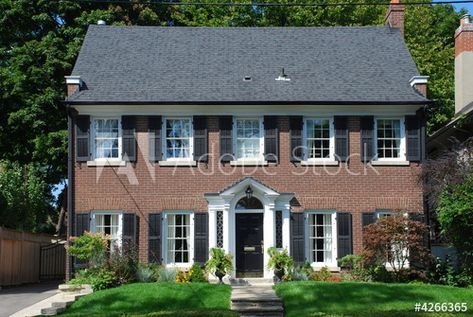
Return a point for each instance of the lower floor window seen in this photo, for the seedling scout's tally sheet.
(178, 238)
(320, 237)
(109, 224)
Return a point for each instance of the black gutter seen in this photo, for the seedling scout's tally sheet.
(424, 102)
(70, 182)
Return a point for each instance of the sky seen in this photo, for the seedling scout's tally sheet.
(468, 6)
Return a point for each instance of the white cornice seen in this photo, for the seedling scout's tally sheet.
(416, 80)
(73, 80)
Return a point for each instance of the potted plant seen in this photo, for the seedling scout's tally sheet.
(280, 262)
(219, 263)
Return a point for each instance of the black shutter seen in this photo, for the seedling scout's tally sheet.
(154, 138)
(82, 225)
(295, 132)
(367, 218)
(414, 138)
(226, 140)
(345, 240)
(154, 238)
(129, 231)
(201, 237)
(341, 138)
(128, 138)
(271, 140)
(367, 138)
(82, 138)
(297, 238)
(200, 139)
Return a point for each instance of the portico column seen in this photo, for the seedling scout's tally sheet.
(269, 231)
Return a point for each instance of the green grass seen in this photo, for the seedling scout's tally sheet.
(156, 300)
(367, 299)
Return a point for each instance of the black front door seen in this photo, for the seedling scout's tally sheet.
(249, 240)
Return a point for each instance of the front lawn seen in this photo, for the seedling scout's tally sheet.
(156, 299)
(367, 299)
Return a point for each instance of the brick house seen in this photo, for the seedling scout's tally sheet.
(184, 139)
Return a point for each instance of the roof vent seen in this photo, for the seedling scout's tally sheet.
(283, 76)
(101, 22)
(247, 78)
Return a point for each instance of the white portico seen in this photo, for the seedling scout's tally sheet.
(234, 215)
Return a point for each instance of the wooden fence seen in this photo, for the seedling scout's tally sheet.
(20, 256)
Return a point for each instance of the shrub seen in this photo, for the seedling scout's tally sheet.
(281, 262)
(298, 275)
(197, 275)
(90, 247)
(124, 263)
(182, 277)
(306, 268)
(444, 272)
(145, 274)
(322, 275)
(98, 278)
(396, 240)
(354, 265)
(167, 275)
(379, 273)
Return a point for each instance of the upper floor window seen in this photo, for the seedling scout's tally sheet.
(319, 141)
(178, 138)
(390, 139)
(106, 138)
(249, 138)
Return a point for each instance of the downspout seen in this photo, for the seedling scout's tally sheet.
(70, 185)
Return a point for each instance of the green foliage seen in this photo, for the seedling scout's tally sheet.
(99, 278)
(24, 197)
(124, 263)
(321, 275)
(279, 261)
(145, 274)
(90, 247)
(455, 215)
(197, 274)
(167, 275)
(354, 264)
(444, 272)
(297, 274)
(219, 262)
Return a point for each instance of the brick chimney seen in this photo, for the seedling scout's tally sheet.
(395, 16)
(74, 83)
(463, 64)
(419, 83)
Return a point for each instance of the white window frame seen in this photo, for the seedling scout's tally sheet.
(164, 243)
(93, 143)
(333, 261)
(260, 157)
(191, 140)
(305, 131)
(402, 148)
(93, 226)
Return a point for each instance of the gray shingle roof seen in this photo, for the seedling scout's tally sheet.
(185, 64)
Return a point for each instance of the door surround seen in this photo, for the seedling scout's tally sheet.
(226, 201)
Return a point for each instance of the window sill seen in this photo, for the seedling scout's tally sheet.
(390, 163)
(106, 163)
(249, 163)
(177, 163)
(320, 163)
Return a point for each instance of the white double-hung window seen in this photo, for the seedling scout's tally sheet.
(319, 139)
(177, 141)
(109, 224)
(390, 141)
(179, 233)
(249, 139)
(106, 139)
(322, 238)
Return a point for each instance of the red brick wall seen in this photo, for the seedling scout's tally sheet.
(395, 15)
(395, 187)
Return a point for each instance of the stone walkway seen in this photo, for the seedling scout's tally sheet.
(256, 298)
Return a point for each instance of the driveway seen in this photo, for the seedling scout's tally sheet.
(13, 299)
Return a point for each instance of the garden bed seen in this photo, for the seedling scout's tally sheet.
(156, 299)
(367, 299)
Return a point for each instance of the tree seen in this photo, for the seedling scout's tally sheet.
(396, 240)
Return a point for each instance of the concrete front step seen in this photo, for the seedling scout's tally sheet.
(250, 281)
(258, 307)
